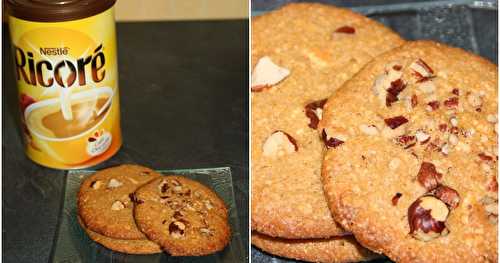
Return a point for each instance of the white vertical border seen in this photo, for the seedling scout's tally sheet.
(498, 107)
(249, 131)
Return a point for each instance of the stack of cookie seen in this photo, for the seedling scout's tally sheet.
(359, 136)
(135, 210)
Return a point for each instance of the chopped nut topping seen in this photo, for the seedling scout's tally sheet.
(330, 142)
(491, 208)
(133, 199)
(491, 118)
(451, 102)
(455, 92)
(395, 198)
(448, 195)
(392, 93)
(434, 105)
(426, 217)
(493, 185)
(422, 137)
(395, 122)
(397, 67)
(96, 184)
(163, 186)
(474, 100)
(368, 129)
(454, 121)
(314, 111)
(177, 229)
(414, 100)
(279, 143)
(428, 176)
(205, 231)
(113, 183)
(117, 205)
(421, 70)
(407, 141)
(443, 127)
(208, 204)
(485, 157)
(266, 74)
(345, 30)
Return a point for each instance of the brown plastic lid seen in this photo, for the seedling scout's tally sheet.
(56, 10)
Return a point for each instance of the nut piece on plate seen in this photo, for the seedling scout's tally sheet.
(279, 144)
(426, 217)
(266, 74)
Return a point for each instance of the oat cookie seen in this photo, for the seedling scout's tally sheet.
(301, 53)
(137, 246)
(104, 200)
(411, 168)
(183, 216)
(332, 250)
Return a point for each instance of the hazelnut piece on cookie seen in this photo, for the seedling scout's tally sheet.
(279, 143)
(426, 217)
(314, 111)
(266, 74)
(428, 176)
(448, 195)
(346, 30)
(421, 70)
(331, 142)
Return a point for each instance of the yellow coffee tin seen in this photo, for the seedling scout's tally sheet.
(65, 62)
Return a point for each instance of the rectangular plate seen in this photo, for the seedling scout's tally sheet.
(73, 245)
(468, 24)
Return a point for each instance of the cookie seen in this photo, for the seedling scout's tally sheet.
(301, 53)
(183, 216)
(411, 168)
(137, 246)
(104, 200)
(333, 250)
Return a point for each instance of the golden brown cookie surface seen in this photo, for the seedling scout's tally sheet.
(134, 246)
(332, 250)
(307, 51)
(183, 216)
(412, 166)
(104, 200)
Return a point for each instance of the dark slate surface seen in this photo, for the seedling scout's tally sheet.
(184, 104)
(469, 24)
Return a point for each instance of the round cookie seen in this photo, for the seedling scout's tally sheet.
(104, 200)
(183, 216)
(137, 246)
(332, 250)
(411, 168)
(320, 47)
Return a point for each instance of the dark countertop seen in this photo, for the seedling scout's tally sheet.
(184, 104)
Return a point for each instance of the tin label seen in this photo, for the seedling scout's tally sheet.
(67, 79)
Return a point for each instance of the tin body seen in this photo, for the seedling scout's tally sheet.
(67, 78)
